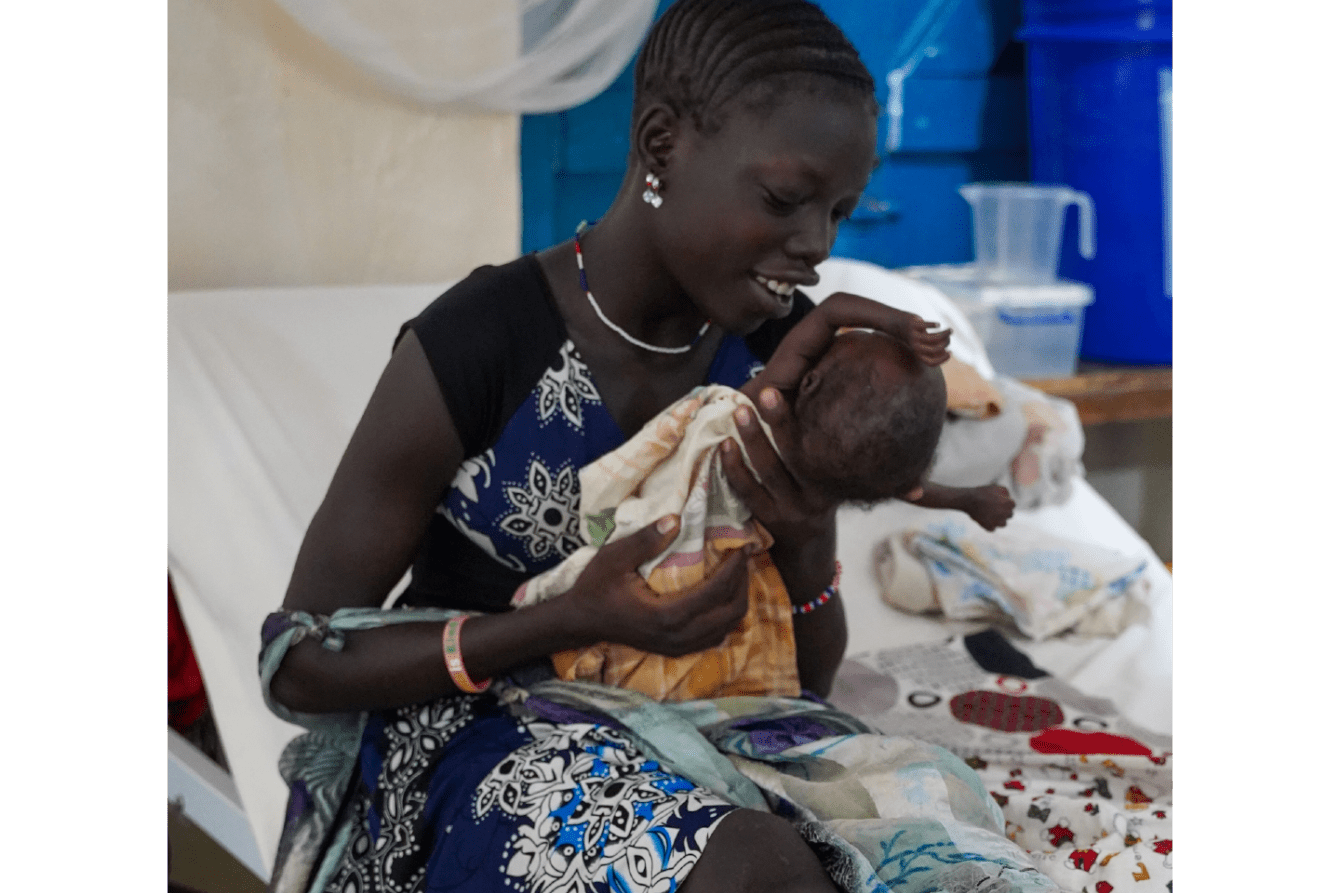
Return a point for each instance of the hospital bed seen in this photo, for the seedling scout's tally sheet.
(265, 387)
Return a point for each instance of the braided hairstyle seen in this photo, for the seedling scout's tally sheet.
(703, 54)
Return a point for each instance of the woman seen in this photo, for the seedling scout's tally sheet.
(753, 136)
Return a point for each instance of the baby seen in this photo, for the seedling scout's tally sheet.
(868, 416)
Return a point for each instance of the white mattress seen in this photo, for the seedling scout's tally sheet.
(265, 386)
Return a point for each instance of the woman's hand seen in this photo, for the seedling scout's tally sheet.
(611, 602)
(803, 524)
(795, 514)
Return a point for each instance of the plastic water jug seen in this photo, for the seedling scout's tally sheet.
(1017, 229)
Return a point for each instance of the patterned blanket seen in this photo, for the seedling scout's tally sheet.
(884, 813)
(1086, 792)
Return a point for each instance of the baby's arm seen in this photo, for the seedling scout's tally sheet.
(989, 505)
(811, 337)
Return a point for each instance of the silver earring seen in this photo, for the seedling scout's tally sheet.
(652, 194)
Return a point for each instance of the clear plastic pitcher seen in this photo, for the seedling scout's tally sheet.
(1017, 229)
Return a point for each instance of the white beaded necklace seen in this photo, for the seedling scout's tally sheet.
(581, 273)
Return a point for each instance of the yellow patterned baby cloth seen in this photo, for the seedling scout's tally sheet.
(672, 466)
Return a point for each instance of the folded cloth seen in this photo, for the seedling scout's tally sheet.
(969, 394)
(1044, 584)
(1032, 446)
(1049, 460)
(672, 466)
(903, 581)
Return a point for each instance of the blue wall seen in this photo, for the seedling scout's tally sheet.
(963, 120)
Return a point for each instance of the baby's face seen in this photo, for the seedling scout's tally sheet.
(859, 368)
(872, 357)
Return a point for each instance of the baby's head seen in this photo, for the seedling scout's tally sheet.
(868, 419)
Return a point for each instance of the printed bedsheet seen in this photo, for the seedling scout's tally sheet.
(1084, 791)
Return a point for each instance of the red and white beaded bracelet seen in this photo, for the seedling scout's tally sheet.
(822, 598)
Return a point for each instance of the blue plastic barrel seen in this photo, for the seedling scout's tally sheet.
(1099, 75)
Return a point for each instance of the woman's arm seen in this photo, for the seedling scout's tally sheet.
(803, 524)
(362, 539)
(802, 521)
(403, 454)
(821, 635)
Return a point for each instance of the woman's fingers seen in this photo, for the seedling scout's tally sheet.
(795, 355)
(726, 591)
(776, 413)
(621, 607)
(774, 486)
(610, 585)
(772, 474)
(742, 480)
(706, 613)
(626, 555)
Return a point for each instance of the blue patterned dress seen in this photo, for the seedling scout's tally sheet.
(459, 794)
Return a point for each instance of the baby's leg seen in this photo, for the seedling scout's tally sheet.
(757, 852)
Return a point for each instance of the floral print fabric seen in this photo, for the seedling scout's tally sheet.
(459, 795)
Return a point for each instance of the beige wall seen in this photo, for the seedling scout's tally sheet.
(289, 166)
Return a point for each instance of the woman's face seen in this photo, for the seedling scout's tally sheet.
(760, 200)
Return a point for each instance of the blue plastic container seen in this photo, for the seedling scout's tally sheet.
(1099, 75)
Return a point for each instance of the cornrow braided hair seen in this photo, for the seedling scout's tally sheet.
(701, 54)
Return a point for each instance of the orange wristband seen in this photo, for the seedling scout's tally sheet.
(451, 653)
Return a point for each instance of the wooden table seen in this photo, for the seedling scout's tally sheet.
(1104, 393)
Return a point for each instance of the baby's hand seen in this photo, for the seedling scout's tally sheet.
(932, 348)
(990, 506)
